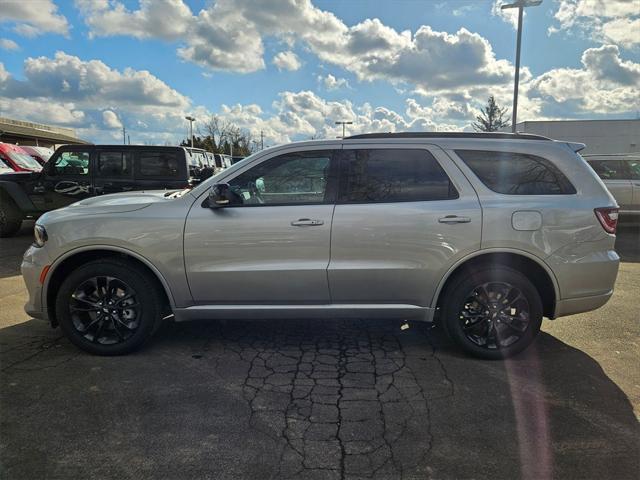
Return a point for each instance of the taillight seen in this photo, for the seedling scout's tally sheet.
(608, 218)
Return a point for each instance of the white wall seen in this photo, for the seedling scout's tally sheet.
(600, 136)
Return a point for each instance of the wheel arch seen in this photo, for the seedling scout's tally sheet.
(79, 256)
(13, 191)
(535, 268)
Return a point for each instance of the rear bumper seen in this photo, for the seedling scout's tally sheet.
(571, 306)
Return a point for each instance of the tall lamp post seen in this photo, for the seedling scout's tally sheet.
(343, 126)
(520, 5)
(191, 120)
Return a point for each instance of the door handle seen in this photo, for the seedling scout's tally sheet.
(38, 189)
(454, 219)
(306, 222)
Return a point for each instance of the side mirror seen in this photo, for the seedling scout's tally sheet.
(219, 195)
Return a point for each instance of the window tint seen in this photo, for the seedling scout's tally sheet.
(159, 164)
(287, 179)
(115, 164)
(634, 168)
(399, 175)
(610, 169)
(516, 173)
(72, 163)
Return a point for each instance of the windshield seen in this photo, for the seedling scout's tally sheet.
(24, 160)
(4, 168)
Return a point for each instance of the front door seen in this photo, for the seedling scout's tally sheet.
(65, 179)
(403, 216)
(114, 171)
(271, 244)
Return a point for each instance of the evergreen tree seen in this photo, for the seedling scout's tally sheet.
(491, 118)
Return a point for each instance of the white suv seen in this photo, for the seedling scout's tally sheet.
(486, 233)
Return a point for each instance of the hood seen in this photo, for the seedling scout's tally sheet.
(119, 202)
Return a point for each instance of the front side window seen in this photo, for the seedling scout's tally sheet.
(513, 173)
(159, 164)
(115, 164)
(72, 163)
(610, 169)
(634, 168)
(393, 175)
(297, 178)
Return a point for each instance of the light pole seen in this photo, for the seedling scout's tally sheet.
(191, 120)
(520, 5)
(343, 126)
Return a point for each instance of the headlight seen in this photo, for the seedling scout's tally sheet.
(40, 235)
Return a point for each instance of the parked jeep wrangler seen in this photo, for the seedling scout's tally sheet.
(75, 172)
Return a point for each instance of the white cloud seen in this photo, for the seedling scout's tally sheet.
(603, 20)
(510, 15)
(111, 120)
(287, 61)
(332, 83)
(7, 44)
(605, 83)
(33, 18)
(228, 35)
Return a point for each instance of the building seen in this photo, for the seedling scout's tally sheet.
(600, 136)
(28, 133)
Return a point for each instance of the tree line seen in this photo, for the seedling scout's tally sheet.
(221, 136)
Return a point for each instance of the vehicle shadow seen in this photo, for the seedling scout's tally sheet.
(308, 399)
(628, 243)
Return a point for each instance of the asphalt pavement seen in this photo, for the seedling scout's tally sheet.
(321, 399)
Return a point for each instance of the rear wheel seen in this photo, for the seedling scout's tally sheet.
(10, 217)
(494, 312)
(108, 307)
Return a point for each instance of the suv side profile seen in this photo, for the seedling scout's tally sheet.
(77, 172)
(484, 233)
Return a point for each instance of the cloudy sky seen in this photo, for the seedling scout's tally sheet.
(291, 68)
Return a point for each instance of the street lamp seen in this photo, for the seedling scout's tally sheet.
(191, 120)
(520, 5)
(343, 126)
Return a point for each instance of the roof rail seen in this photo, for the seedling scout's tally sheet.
(493, 135)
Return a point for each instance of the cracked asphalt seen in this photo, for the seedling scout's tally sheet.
(343, 399)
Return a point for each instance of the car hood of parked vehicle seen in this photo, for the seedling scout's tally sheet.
(120, 202)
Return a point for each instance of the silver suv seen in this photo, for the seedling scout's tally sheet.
(621, 174)
(484, 233)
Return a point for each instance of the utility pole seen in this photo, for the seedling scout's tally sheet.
(520, 5)
(191, 120)
(261, 140)
(343, 127)
(129, 139)
(124, 135)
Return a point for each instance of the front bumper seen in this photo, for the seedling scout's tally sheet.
(34, 260)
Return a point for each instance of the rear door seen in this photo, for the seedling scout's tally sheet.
(113, 171)
(617, 178)
(404, 215)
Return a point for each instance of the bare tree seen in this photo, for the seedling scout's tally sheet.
(491, 118)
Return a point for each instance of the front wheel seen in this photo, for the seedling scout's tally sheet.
(10, 217)
(108, 307)
(494, 312)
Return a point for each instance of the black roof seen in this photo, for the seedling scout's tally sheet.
(120, 147)
(492, 135)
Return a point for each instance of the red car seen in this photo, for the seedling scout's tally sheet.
(18, 159)
(41, 154)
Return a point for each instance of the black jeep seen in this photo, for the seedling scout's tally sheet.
(75, 172)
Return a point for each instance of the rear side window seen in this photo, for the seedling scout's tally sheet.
(610, 169)
(115, 164)
(159, 164)
(393, 175)
(512, 173)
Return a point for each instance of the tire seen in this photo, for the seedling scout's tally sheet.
(10, 217)
(486, 321)
(88, 320)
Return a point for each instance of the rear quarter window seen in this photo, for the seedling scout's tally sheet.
(160, 164)
(512, 173)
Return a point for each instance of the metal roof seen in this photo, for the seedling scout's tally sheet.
(476, 135)
(32, 132)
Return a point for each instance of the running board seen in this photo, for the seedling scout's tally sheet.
(256, 312)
